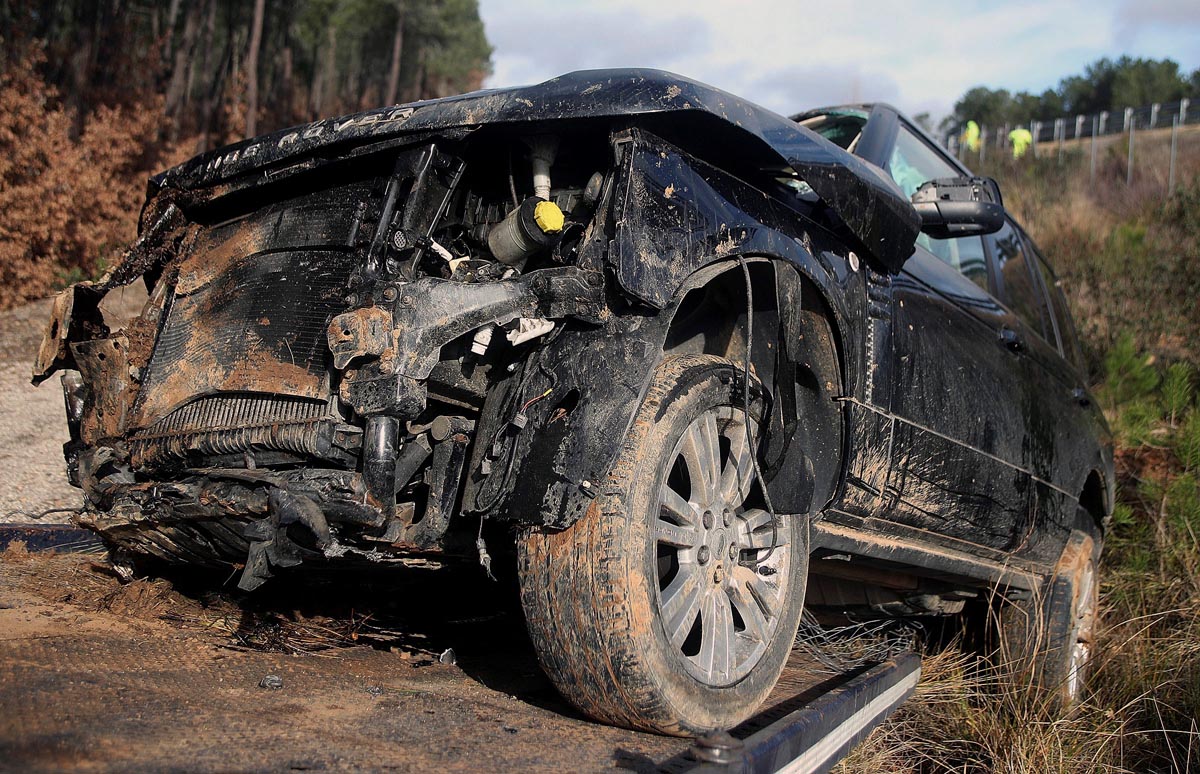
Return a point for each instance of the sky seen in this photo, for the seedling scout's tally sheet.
(790, 55)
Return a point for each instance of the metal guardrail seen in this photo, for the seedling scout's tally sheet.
(1160, 115)
(1055, 134)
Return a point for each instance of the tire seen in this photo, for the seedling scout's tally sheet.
(648, 612)
(1046, 642)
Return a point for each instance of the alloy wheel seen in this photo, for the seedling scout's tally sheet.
(722, 565)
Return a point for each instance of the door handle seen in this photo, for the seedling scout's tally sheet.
(1080, 396)
(1010, 340)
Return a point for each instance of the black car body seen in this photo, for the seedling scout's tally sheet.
(371, 339)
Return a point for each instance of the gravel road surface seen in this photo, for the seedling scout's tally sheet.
(33, 427)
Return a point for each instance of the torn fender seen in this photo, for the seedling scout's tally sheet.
(546, 467)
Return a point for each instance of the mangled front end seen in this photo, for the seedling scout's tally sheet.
(316, 350)
(367, 336)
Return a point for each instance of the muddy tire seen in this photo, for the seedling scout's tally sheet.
(1046, 642)
(664, 608)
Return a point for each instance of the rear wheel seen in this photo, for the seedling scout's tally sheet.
(1046, 642)
(672, 604)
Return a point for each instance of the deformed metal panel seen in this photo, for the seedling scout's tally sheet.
(862, 197)
(251, 305)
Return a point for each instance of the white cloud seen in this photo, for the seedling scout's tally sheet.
(791, 55)
(1133, 16)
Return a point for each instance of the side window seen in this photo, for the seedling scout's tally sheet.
(1062, 314)
(913, 163)
(1022, 295)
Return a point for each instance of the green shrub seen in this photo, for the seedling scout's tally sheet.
(1187, 441)
(1177, 391)
(1129, 374)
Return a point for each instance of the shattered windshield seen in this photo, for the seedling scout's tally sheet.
(840, 127)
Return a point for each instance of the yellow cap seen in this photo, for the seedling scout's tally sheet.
(548, 217)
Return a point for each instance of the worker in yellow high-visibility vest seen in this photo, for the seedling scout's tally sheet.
(970, 137)
(1021, 139)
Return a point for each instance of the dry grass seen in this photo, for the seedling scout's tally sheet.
(1128, 256)
(968, 716)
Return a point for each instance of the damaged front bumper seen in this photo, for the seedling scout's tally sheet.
(247, 418)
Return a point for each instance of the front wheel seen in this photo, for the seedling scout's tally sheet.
(672, 605)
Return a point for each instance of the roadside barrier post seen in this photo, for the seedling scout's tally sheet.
(1129, 163)
(1095, 123)
(1171, 172)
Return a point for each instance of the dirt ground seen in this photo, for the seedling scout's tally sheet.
(166, 675)
(33, 425)
(379, 671)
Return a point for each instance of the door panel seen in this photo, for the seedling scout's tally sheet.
(1063, 427)
(959, 400)
(868, 458)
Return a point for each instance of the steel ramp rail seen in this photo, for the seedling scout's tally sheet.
(50, 537)
(816, 736)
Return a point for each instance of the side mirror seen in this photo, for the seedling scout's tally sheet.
(959, 206)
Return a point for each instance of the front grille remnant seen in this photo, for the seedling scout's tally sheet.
(251, 302)
(236, 423)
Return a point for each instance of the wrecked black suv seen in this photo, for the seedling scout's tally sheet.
(697, 363)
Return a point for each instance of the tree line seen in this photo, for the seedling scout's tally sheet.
(1106, 84)
(97, 95)
(229, 68)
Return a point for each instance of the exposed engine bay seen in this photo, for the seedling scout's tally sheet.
(321, 363)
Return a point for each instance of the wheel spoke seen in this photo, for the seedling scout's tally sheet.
(679, 509)
(702, 455)
(680, 603)
(757, 533)
(755, 519)
(711, 439)
(680, 536)
(753, 614)
(738, 474)
(765, 595)
(717, 635)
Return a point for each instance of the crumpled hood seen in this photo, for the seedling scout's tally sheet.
(860, 195)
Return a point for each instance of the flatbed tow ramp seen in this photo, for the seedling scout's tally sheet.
(370, 673)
